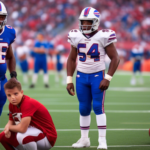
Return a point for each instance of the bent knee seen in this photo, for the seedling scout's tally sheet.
(20, 138)
(98, 109)
(85, 111)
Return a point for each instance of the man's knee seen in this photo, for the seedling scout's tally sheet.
(85, 110)
(98, 109)
(20, 138)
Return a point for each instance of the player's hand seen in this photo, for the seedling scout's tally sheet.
(104, 84)
(7, 132)
(70, 89)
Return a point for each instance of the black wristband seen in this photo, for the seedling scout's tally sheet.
(13, 74)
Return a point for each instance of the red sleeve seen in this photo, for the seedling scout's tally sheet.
(28, 109)
(10, 112)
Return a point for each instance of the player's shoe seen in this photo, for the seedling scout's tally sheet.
(46, 86)
(82, 142)
(102, 143)
(133, 81)
(32, 86)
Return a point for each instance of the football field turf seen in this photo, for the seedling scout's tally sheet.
(127, 109)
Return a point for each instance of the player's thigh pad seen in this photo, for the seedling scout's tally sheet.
(44, 65)
(24, 66)
(137, 66)
(83, 90)
(2, 94)
(31, 135)
(98, 96)
(36, 65)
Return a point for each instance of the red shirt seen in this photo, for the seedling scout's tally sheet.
(40, 117)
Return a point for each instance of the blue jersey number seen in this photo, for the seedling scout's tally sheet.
(3, 49)
(92, 53)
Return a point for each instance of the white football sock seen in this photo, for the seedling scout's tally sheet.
(85, 125)
(57, 76)
(101, 124)
(45, 78)
(34, 78)
(63, 74)
(25, 78)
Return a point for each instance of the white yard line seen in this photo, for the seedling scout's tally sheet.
(58, 103)
(129, 89)
(108, 146)
(123, 89)
(72, 104)
(72, 130)
(107, 111)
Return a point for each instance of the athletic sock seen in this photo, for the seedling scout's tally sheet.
(25, 78)
(45, 78)
(34, 78)
(85, 125)
(101, 124)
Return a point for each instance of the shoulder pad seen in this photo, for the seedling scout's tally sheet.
(108, 36)
(74, 33)
(11, 29)
(107, 32)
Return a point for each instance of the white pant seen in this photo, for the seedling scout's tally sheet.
(26, 140)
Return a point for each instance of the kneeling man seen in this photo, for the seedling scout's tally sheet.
(30, 126)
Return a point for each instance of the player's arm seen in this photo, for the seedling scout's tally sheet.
(10, 122)
(11, 62)
(22, 126)
(40, 50)
(71, 65)
(113, 55)
(6, 129)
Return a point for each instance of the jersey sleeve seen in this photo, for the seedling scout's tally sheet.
(29, 109)
(72, 37)
(12, 33)
(37, 44)
(109, 36)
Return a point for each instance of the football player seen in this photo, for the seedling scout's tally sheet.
(30, 125)
(7, 37)
(59, 65)
(89, 45)
(40, 61)
(137, 54)
(22, 54)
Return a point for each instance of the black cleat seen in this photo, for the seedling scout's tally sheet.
(46, 86)
(32, 86)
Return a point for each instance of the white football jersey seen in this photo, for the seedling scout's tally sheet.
(21, 50)
(91, 51)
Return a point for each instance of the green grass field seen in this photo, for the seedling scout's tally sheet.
(127, 109)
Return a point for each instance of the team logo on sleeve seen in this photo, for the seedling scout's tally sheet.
(96, 13)
(17, 117)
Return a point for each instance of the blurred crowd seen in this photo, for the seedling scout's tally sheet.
(48, 17)
(130, 19)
